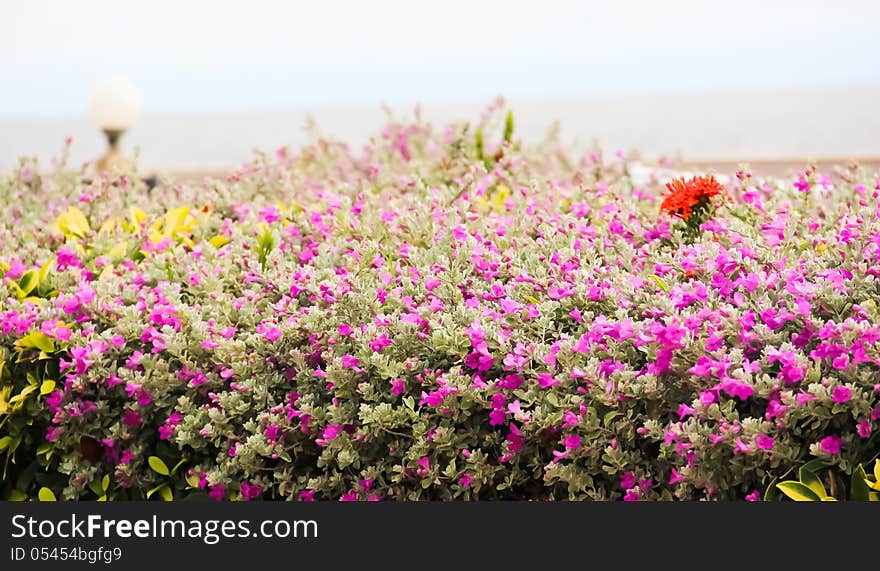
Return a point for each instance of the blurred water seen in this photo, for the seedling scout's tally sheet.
(838, 123)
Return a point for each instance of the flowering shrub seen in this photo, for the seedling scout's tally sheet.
(440, 315)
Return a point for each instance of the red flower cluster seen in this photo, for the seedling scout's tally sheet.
(685, 195)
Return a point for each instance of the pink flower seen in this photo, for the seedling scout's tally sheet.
(307, 495)
(398, 386)
(572, 441)
(764, 442)
(864, 428)
(830, 444)
(424, 464)
(217, 492)
(131, 418)
(380, 343)
(675, 477)
(737, 389)
(546, 380)
(465, 480)
(627, 480)
(272, 432)
(684, 411)
(345, 330)
(754, 496)
(250, 491)
(272, 334)
(841, 394)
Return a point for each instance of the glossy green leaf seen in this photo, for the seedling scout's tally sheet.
(158, 465)
(797, 491)
(46, 495)
(812, 481)
(166, 493)
(858, 489)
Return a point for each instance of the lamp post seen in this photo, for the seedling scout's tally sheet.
(115, 105)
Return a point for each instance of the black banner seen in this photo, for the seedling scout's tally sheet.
(144, 535)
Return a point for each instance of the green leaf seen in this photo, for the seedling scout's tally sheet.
(17, 496)
(178, 465)
(105, 482)
(815, 466)
(158, 465)
(877, 470)
(770, 492)
(858, 488)
(46, 495)
(606, 420)
(812, 481)
(95, 486)
(508, 126)
(28, 281)
(4, 442)
(797, 491)
(166, 493)
(661, 283)
(47, 387)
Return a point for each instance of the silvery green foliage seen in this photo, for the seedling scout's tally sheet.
(421, 319)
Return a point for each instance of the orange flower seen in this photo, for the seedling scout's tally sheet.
(685, 195)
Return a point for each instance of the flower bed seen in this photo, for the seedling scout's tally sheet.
(440, 315)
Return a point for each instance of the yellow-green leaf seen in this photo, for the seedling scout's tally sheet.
(812, 481)
(47, 387)
(166, 493)
(4, 442)
(218, 241)
(28, 281)
(46, 495)
(73, 223)
(158, 465)
(661, 283)
(859, 490)
(797, 491)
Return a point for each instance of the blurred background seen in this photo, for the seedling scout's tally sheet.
(752, 79)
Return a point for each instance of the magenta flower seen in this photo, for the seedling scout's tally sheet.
(250, 491)
(272, 432)
(753, 496)
(627, 480)
(465, 480)
(424, 464)
(398, 386)
(830, 444)
(572, 442)
(764, 442)
(131, 418)
(684, 411)
(217, 492)
(737, 389)
(841, 394)
(864, 428)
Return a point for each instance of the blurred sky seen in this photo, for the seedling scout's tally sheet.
(230, 55)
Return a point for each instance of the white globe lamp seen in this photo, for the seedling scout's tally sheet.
(115, 105)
